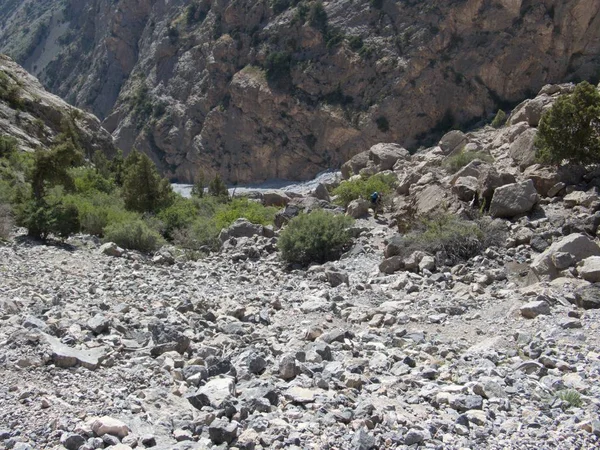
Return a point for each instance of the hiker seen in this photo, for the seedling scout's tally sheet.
(375, 203)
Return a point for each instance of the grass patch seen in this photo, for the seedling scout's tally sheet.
(571, 397)
(363, 188)
(456, 162)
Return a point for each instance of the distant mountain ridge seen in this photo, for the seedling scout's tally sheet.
(256, 90)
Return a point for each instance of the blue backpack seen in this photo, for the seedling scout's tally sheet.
(374, 197)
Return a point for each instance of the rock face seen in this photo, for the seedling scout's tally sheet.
(252, 90)
(35, 118)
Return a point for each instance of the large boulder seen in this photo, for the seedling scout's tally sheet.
(358, 208)
(355, 164)
(322, 193)
(544, 178)
(522, 150)
(386, 155)
(286, 214)
(578, 245)
(581, 198)
(513, 199)
(275, 198)
(241, 228)
(589, 269)
(489, 180)
(214, 393)
(453, 141)
(465, 188)
(530, 111)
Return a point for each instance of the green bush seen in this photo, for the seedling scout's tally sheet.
(500, 119)
(203, 233)
(278, 66)
(8, 145)
(88, 179)
(382, 124)
(42, 219)
(134, 235)
(6, 221)
(97, 210)
(363, 188)
(570, 130)
(318, 237)
(456, 162)
(179, 215)
(242, 207)
(448, 237)
(317, 17)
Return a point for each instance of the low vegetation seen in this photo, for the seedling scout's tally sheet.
(571, 397)
(318, 236)
(57, 193)
(456, 162)
(499, 119)
(570, 130)
(363, 188)
(450, 238)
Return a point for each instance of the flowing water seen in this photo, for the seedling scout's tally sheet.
(298, 187)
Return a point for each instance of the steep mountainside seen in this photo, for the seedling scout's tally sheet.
(35, 117)
(285, 88)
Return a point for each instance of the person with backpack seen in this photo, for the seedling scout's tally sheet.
(375, 203)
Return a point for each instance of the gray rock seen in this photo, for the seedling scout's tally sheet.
(358, 208)
(214, 393)
(522, 150)
(241, 228)
(452, 141)
(322, 193)
(588, 297)
(65, 356)
(578, 245)
(533, 309)
(362, 440)
(336, 278)
(391, 265)
(167, 338)
(98, 324)
(465, 188)
(414, 436)
(513, 199)
(222, 431)
(464, 403)
(589, 269)
(287, 367)
(275, 198)
(72, 441)
(111, 249)
(385, 156)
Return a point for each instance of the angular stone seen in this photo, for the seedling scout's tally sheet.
(465, 188)
(522, 150)
(109, 425)
(72, 441)
(65, 356)
(391, 265)
(214, 393)
(358, 208)
(533, 309)
(578, 245)
(98, 324)
(385, 156)
(222, 431)
(111, 249)
(336, 278)
(588, 297)
(513, 199)
(287, 367)
(299, 394)
(589, 269)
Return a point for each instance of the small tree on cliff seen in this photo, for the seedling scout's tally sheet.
(570, 130)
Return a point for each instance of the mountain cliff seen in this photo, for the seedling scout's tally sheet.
(34, 117)
(285, 88)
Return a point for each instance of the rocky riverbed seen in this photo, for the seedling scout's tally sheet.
(235, 351)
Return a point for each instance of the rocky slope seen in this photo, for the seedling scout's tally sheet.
(186, 81)
(236, 351)
(35, 117)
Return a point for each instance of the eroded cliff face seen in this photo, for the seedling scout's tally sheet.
(35, 118)
(283, 89)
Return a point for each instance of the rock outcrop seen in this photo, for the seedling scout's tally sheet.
(35, 118)
(257, 90)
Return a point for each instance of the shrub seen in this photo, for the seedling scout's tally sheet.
(446, 236)
(8, 145)
(355, 43)
(200, 235)
(382, 124)
(242, 207)
(317, 17)
(178, 215)
(570, 130)
(571, 397)
(42, 219)
(364, 187)
(218, 189)
(278, 66)
(6, 221)
(88, 179)
(134, 235)
(456, 162)
(500, 119)
(318, 237)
